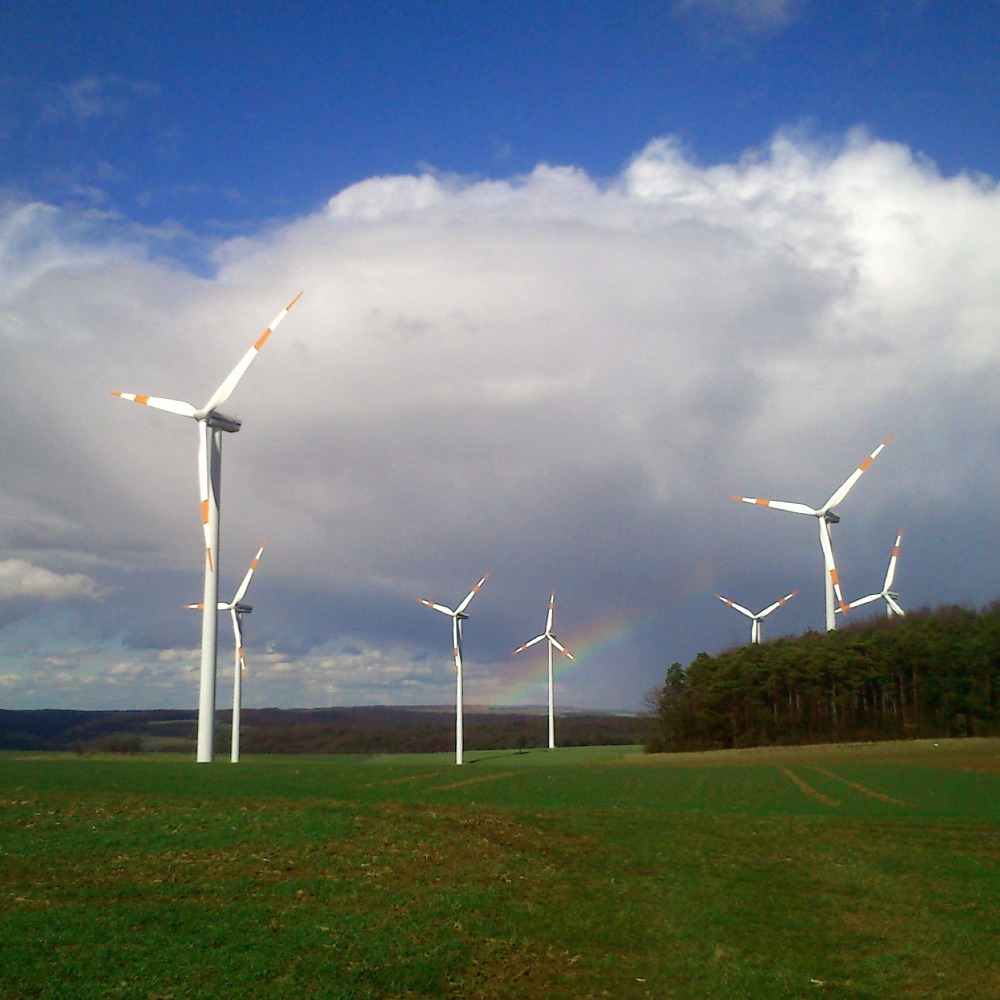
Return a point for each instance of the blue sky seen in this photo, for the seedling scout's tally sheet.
(573, 275)
(220, 117)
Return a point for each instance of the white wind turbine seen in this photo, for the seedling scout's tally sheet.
(756, 618)
(550, 636)
(237, 609)
(825, 517)
(211, 425)
(890, 597)
(457, 617)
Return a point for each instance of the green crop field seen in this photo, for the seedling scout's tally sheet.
(863, 871)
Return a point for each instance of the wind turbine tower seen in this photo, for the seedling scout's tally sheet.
(457, 617)
(826, 517)
(551, 641)
(237, 609)
(211, 426)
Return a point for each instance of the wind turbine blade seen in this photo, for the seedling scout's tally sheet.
(238, 638)
(456, 631)
(548, 618)
(849, 482)
(437, 607)
(232, 379)
(530, 642)
(891, 571)
(733, 604)
(562, 649)
(237, 628)
(195, 607)
(777, 604)
(864, 600)
(795, 508)
(246, 580)
(204, 474)
(830, 565)
(894, 605)
(472, 593)
(177, 406)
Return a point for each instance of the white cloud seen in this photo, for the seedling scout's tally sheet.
(736, 18)
(554, 379)
(89, 99)
(21, 579)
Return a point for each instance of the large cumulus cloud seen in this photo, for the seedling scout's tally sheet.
(552, 378)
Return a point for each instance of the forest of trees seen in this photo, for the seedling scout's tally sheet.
(930, 674)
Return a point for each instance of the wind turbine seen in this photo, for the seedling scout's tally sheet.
(211, 425)
(550, 636)
(890, 597)
(825, 517)
(756, 618)
(457, 617)
(237, 609)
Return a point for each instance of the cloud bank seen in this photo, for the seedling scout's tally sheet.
(557, 380)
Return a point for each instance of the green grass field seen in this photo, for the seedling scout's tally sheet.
(866, 871)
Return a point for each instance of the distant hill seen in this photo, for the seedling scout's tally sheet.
(369, 729)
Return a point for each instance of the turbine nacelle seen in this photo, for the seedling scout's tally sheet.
(831, 518)
(219, 422)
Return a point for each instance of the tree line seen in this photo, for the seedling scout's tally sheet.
(371, 729)
(934, 673)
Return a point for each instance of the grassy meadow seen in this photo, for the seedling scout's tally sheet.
(860, 871)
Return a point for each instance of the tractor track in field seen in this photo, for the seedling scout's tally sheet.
(806, 788)
(863, 789)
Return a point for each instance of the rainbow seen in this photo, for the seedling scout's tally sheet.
(525, 682)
